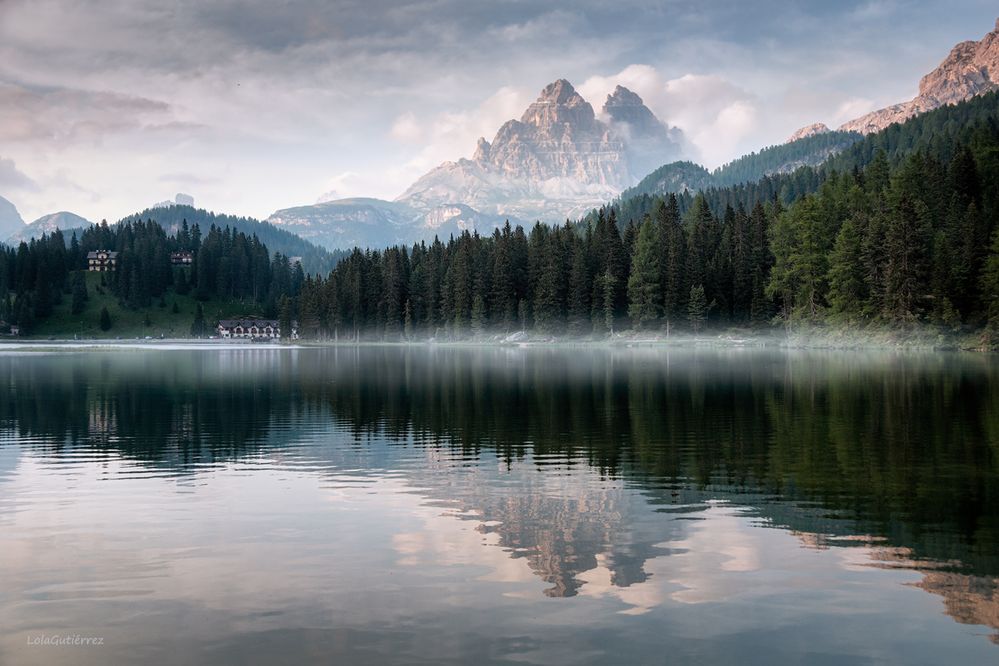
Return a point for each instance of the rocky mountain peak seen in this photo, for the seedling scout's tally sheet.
(481, 150)
(624, 106)
(807, 131)
(559, 103)
(971, 68)
(622, 97)
(560, 92)
(558, 159)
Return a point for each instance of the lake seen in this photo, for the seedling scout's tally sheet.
(422, 505)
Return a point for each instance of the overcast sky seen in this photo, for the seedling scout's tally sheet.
(107, 106)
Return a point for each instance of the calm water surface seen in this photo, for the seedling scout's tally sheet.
(394, 505)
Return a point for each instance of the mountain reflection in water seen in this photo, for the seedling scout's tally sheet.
(641, 479)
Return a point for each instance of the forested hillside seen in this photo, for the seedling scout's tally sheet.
(783, 158)
(315, 259)
(939, 134)
(228, 266)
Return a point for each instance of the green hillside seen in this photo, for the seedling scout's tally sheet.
(315, 260)
(154, 321)
(783, 158)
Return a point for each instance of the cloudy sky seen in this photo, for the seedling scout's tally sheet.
(107, 106)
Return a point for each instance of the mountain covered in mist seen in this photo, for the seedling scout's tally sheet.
(556, 162)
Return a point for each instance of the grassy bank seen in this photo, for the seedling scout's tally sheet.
(155, 321)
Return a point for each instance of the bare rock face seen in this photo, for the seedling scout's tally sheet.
(807, 131)
(559, 159)
(559, 137)
(971, 68)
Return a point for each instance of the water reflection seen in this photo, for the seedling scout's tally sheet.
(642, 481)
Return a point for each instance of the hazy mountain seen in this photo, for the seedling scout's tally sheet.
(10, 220)
(647, 141)
(46, 224)
(180, 199)
(971, 68)
(348, 223)
(558, 160)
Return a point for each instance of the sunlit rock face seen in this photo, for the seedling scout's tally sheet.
(807, 131)
(557, 161)
(971, 68)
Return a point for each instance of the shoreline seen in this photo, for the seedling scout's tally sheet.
(916, 341)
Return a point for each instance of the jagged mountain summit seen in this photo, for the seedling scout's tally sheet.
(556, 161)
(971, 68)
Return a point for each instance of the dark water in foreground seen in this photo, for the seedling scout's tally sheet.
(387, 505)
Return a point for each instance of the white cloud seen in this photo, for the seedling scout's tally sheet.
(444, 136)
(718, 117)
(406, 128)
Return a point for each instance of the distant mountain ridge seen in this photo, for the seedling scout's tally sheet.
(812, 149)
(46, 224)
(365, 222)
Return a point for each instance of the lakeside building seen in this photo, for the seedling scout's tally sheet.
(269, 329)
(181, 258)
(102, 260)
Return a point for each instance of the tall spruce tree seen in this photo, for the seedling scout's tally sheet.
(644, 289)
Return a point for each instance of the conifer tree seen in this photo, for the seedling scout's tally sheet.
(990, 285)
(579, 286)
(478, 323)
(79, 293)
(105, 319)
(644, 293)
(847, 291)
(198, 326)
(697, 307)
(905, 266)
